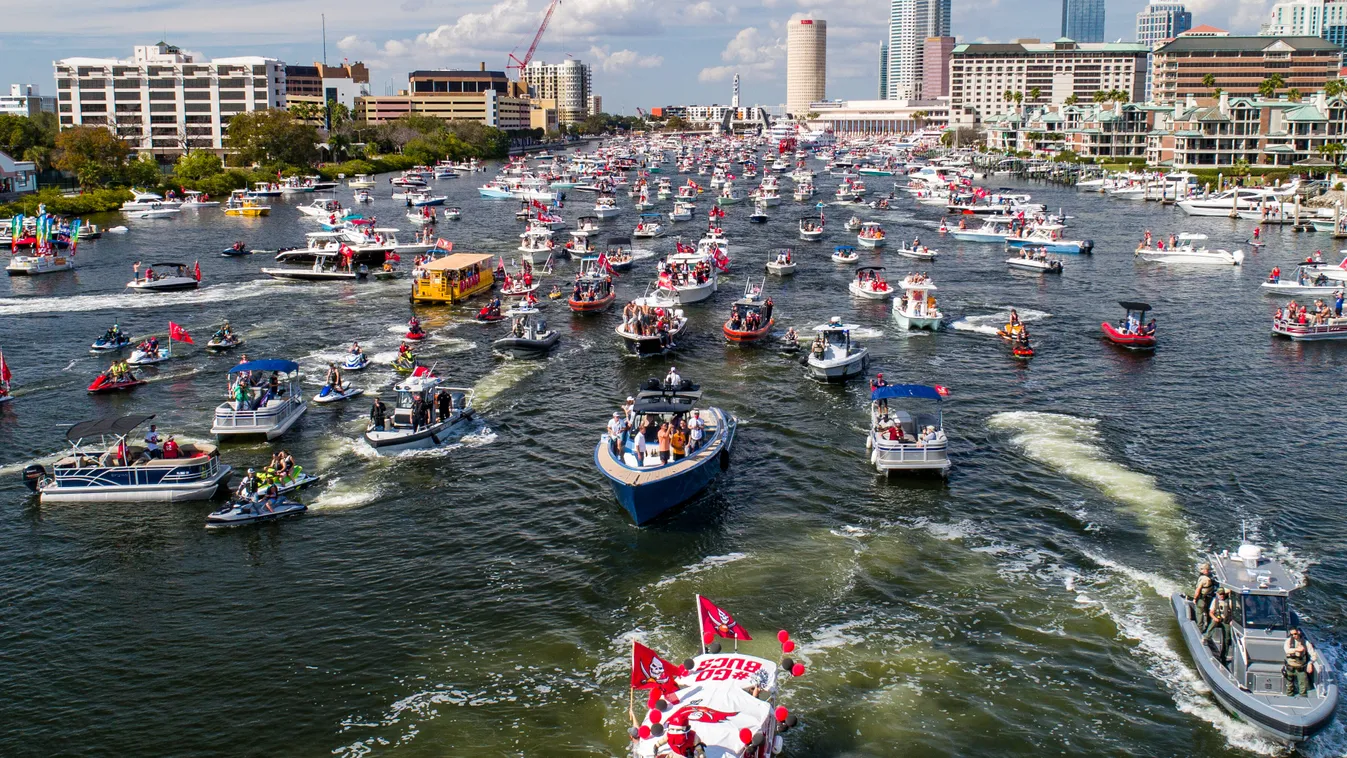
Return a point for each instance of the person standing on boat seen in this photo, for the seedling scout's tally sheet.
(377, 414)
(696, 429)
(629, 417)
(1298, 667)
(617, 433)
(418, 412)
(1202, 596)
(672, 379)
(152, 442)
(640, 450)
(1222, 612)
(664, 442)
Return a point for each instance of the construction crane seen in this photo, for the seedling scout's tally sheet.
(518, 64)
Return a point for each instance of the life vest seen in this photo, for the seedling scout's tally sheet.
(1299, 656)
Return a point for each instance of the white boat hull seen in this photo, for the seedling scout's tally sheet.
(838, 370)
(859, 291)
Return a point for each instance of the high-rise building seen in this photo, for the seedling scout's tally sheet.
(911, 23)
(883, 69)
(936, 54)
(806, 64)
(1160, 22)
(734, 97)
(594, 105)
(321, 84)
(1309, 18)
(1083, 20)
(1043, 73)
(26, 100)
(567, 83)
(164, 101)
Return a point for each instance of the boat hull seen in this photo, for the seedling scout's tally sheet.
(592, 306)
(201, 489)
(422, 439)
(647, 493)
(837, 371)
(1132, 341)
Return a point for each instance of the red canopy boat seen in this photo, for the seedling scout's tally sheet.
(1123, 336)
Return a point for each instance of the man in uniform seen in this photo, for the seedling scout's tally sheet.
(1202, 595)
(1221, 614)
(1298, 667)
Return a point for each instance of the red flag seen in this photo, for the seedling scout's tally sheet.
(197, 270)
(445, 245)
(4, 370)
(651, 672)
(176, 332)
(718, 621)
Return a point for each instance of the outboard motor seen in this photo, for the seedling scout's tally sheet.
(1087, 246)
(33, 476)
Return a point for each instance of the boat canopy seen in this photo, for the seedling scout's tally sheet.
(169, 263)
(1143, 307)
(273, 364)
(869, 268)
(458, 261)
(906, 390)
(118, 425)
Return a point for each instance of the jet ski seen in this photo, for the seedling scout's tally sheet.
(246, 512)
(104, 383)
(238, 250)
(142, 356)
(355, 362)
(330, 394)
(405, 365)
(228, 342)
(298, 481)
(103, 344)
(414, 335)
(489, 315)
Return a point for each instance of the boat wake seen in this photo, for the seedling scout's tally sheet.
(338, 497)
(706, 564)
(23, 306)
(989, 324)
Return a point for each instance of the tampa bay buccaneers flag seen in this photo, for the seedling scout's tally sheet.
(651, 672)
(711, 617)
(176, 332)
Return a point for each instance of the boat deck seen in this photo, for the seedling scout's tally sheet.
(634, 473)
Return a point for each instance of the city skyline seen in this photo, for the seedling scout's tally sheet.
(642, 53)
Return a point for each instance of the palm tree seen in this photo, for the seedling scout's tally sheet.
(1331, 151)
(1294, 95)
(1209, 80)
(1334, 87)
(306, 111)
(1008, 95)
(1019, 98)
(1035, 93)
(1072, 100)
(1100, 96)
(1119, 96)
(920, 118)
(1269, 86)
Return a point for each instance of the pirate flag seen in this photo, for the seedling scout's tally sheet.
(651, 672)
(718, 621)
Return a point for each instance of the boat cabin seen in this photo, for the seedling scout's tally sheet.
(453, 278)
(1260, 590)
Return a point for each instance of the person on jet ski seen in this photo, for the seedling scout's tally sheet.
(405, 356)
(152, 345)
(355, 349)
(333, 377)
(414, 326)
(247, 489)
(113, 335)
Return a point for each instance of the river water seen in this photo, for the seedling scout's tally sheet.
(480, 599)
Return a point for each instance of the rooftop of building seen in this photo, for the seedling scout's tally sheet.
(1186, 44)
(1205, 30)
(447, 73)
(1062, 45)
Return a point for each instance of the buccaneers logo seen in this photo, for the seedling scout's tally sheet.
(654, 672)
(723, 624)
(701, 713)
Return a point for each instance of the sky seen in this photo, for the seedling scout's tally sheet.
(643, 52)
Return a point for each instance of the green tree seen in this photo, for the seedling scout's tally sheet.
(1269, 86)
(143, 172)
(676, 124)
(1209, 80)
(1099, 96)
(1294, 95)
(272, 137)
(1331, 151)
(306, 111)
(1035, 93)
(1072, 100)
(1334, 87)
(197, 165)
(92, 154)
(338, 115)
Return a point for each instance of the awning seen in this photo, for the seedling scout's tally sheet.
(1135, 306)
(458, 261)
(906, 390)
(266, 365)
(118, 425)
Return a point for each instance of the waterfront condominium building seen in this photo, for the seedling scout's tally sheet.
(1240, 64)
(911, 23)
(982, 74)
(1160, 22)
(1309, 18)
(487, 97)
(164, 101)
(1083, 20)
(806, 64)
(567, 83)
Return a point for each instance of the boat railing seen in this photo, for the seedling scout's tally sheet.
(155, 471)
(229, 417)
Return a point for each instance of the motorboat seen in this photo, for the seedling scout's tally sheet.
(179, 278)
(852, 224)
(141, 200)
(536, 240)
(1035, 259)
(327, 267)
(246, 206)
(1231, 202)
(918, 252)
(653, 323)
(1305, 326)
(443, 407)
(585, 226)
(870, 284)
(1049, 238)
(155, 210)
(1251, 677)
(902, 440)
(593, 291)
(253, 408)
(871, 235)
(649, 486)
(729, 195)
(425, 199)
(529, 335)
(750, 316)
(1191, 251)
(844, 254)
(649, 226)
(1305, 281)
(116, 470)
(40, 262)
(995, 229)
(364, 196)
(811, 228)
(916, 308)
(236, 250)
(1133, 331)
(759, 214)
(247, 511)
(321, 208)
(617, 255)
(452, 214)
(833, 357)
(782, 262)
(149, 353)
(194, 200)
(693, 275)
(606, 207)
(107, 382)
(223, 340)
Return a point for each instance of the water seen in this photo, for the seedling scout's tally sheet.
(481, 598)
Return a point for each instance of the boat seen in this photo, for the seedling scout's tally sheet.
(1049, 238)
(1035, 259)
(917, 308)
(246, 206)
(585, 226)
(1253, 685)
(236, 250)
(871, 235)
(445, 408)
(111, 341)
(759, 214)
(682, 211)
(1133, 331)
(693, 275)
(844, 254)
(1307, 281)
(870, 284)
(918, 252)
(106, 383)
(1189, 251)
(782, 262)
(364, 196)
(811, 227)
(118, 471)
(750, 316)
(1230, 202)
(452, 214)
(148, 353)
(241, 512)
(593, 291)
(1305, 326)
(617, 254)
(529, 336)
(322, 208)
(852, 224)
(252, 409)
(223, 340)
(907, 440)
(645, 338)
(5, 378)
(192, 200)
(649, 226)
(995, 229)
(329, 394)
(155, 210)
(263, 189)
(606, 207)
(833, 357)
(730, 195)
(425, 199)
(649, 487)
(181, 278)
(32, 264)
(141, 200)
(327, 267)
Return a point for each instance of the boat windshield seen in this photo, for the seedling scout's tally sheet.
(1265, 612)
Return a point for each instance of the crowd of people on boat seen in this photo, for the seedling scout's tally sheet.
(645, 320)
(1321, 313)
(751, 318)
(1132, 326)
(682, 274)
(669, 437)
(872, 280)
(588, 290)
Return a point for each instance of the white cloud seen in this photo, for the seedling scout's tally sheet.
(751, 53)
(622, 60)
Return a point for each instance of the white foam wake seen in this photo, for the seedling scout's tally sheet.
(23, 306)
(988, 324)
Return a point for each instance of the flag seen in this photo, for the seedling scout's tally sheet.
(176, 332)
(196, 270)
(718, 621)
(445, 245)
(5, 376)
(651, 672)
(942, 390)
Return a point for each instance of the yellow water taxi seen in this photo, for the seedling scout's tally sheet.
(453, 278)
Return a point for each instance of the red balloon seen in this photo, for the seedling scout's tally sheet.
(797, 670)
(655, 715)
(708, 638)
(788, 646)
(644, 732)
(745, 735)
(783, 635)
(781, 713)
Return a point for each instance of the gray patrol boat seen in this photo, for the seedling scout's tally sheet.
(1252, 686)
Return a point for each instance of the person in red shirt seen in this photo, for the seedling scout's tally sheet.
(171, 449)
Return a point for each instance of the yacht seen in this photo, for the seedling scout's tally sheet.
(1189, 250)
(1232, 201)
(142, 201)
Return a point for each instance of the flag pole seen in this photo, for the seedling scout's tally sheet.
(701, 629)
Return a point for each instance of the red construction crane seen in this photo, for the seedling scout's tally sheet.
(520, 64)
